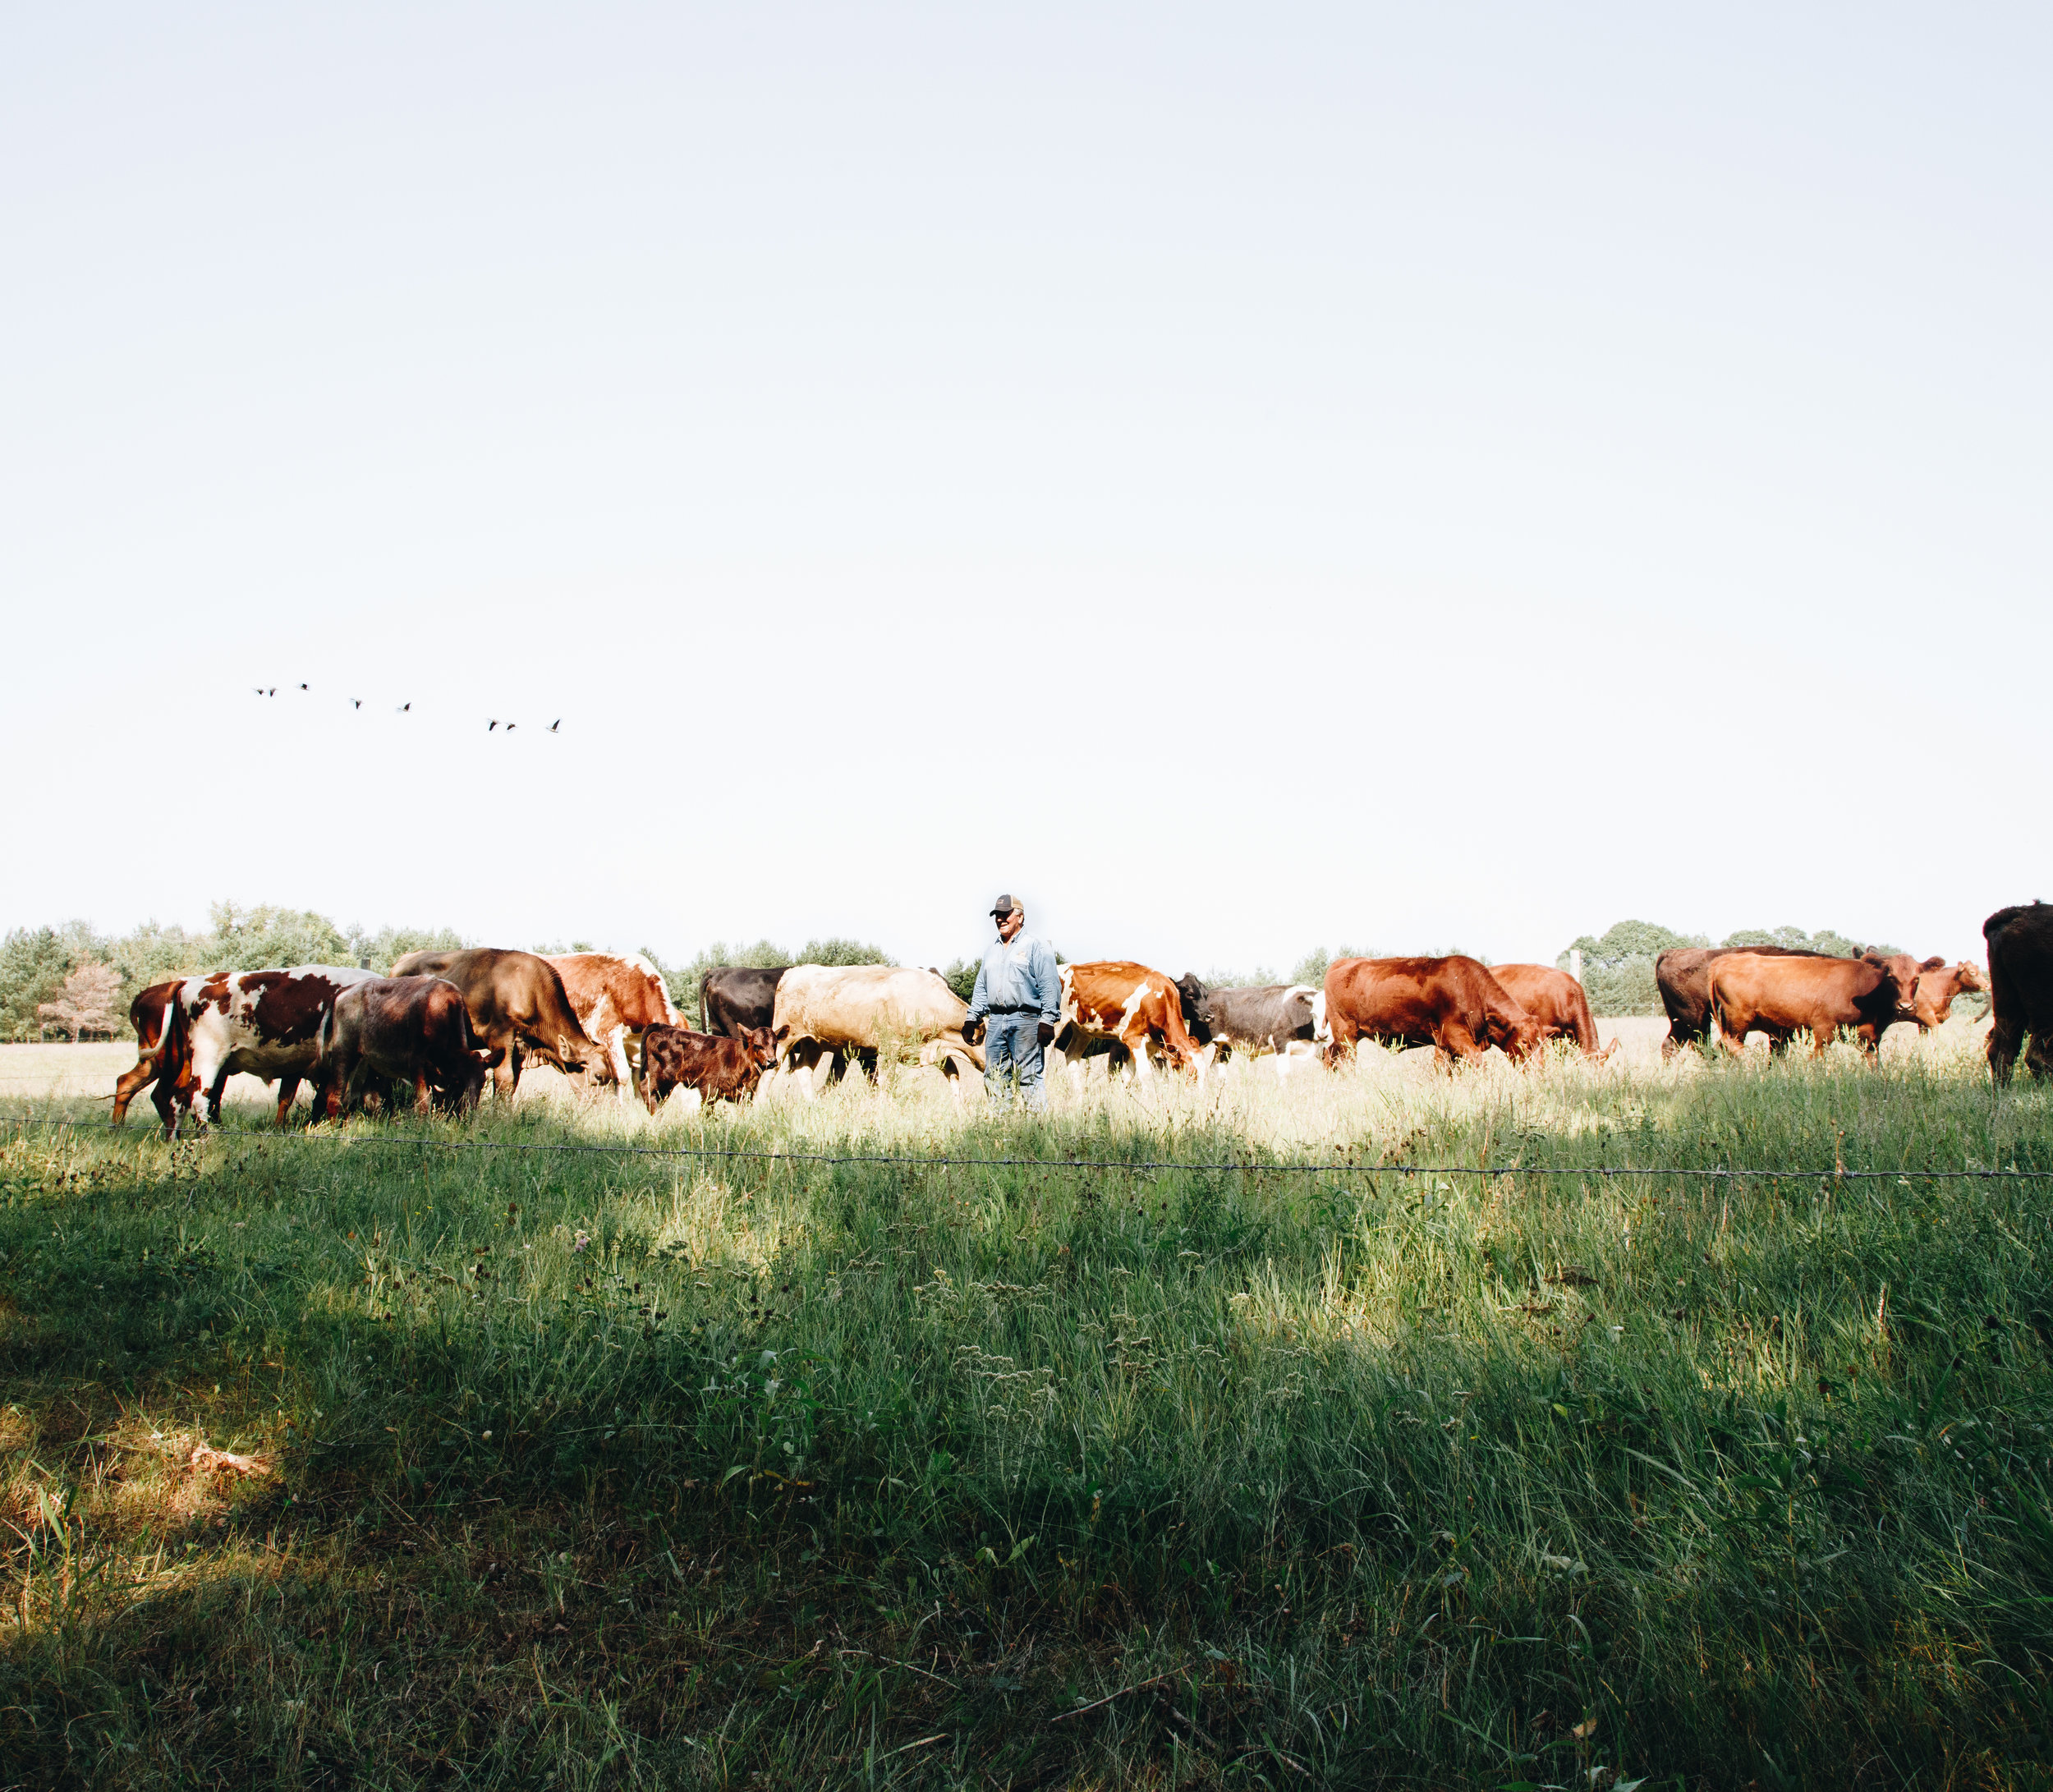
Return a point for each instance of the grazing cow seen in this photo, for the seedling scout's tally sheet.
(1452, 1004)
(856, 1009)
(2020, 988)
(1781, 995)
(1938, 987)
(410, 1029)
(1682, 975)
(1120, 1007)
(517, 1005)
(720, 1068)
(264, 1023)
(615, 1000)
(146, 1015)
(733, 997)
(1259, 1018)
(1557, 1001)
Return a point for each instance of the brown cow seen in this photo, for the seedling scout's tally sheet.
(1557, 1001)
(616, 999)
(2020, 988)
(1682, 975)
(1907, 972)
(410, 1029)
(517, 1005)
(147, 1014)
(1754, 992)
(1117, 1005)
(1937, 988)
(1452, 1004)
(720, 1068)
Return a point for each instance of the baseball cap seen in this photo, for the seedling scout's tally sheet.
(1006, 904)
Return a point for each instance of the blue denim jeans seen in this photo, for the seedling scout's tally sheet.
(1012, 1054)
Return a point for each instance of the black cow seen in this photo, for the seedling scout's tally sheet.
(2020, 988)
(735, 998)
(1194, 999)
(1259, 1018)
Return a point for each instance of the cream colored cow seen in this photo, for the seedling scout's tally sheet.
(861, 1009)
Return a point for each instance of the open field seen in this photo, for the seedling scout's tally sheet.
(581, 1469)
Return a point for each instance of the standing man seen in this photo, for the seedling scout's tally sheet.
(1019, 995)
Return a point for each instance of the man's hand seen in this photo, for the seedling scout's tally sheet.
(1045, 1032)
(971, 1029)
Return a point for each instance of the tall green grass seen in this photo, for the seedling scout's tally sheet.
(632, 1470)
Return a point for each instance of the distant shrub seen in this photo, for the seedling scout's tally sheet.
(961, 976)
(843, 952)
(1312, 968)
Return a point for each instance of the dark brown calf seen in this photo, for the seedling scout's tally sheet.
(412, 1029)
(720, 1069)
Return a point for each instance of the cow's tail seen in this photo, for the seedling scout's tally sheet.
(705, 983)
(324, 1036)
(172, 1013)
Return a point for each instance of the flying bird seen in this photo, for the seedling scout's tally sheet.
(358, 702)
(302, 687)
(555, 724)
(262, 692)
(491, 724)
(403, 709)
(510, 726)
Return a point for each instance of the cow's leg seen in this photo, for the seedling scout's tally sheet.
(506, 1073)
(130, 1083)
(1137, 1051)
(2004, 1037)
(421, 1105)
(2038, 1057)
(288, 1092)
(624, 1069)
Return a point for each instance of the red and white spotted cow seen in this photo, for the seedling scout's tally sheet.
(261, 1023)
(1118, 1007)
(616, 1000)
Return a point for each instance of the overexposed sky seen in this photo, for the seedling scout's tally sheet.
(1241, 477)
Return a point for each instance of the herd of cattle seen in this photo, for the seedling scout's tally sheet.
(443, 1020)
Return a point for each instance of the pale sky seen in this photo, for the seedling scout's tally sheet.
(1240, 477)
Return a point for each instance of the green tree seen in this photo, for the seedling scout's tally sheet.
(1312, 968)
(1618, 965)
(33, 964)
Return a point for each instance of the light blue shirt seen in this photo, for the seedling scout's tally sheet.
(1020, 975)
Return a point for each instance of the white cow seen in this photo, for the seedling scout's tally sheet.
(862, 1008)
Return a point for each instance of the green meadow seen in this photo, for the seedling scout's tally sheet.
(1146, 1456)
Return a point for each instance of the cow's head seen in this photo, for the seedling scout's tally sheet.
(1970, 978)
(761, 1045)
(1516, 1033)
(1198, 1011)
(467, 1080)
(1891, 997)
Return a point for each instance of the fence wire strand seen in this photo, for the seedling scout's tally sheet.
(430, 1141)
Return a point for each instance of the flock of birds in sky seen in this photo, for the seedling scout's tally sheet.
(492, 723)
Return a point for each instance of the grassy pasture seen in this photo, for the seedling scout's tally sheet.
(581, 1469)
